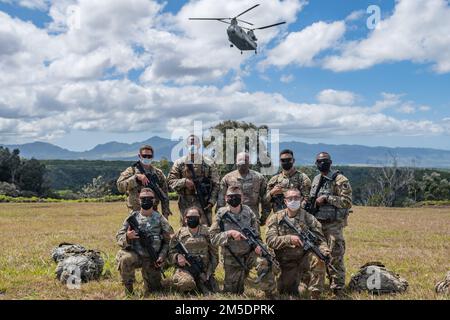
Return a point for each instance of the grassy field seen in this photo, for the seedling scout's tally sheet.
(413, 242)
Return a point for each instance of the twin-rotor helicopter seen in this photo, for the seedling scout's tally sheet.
(241, 37)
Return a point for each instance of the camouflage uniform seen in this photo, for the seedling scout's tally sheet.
(333, 217)
(296, 179)
(133, 255)
(198, 244)
(253, 187)
(296, 264)
(131, 186)
(187, 198)
(235, 275)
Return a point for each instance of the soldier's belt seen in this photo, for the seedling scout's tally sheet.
(157, 237)
(330, 213)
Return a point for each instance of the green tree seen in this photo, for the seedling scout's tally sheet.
(238, 125)
(99, 187)
(434, 187)
(31, 177)
(9, 164)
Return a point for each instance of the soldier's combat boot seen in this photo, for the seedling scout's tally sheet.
(315, 295)
(339, 294)
(129, 290)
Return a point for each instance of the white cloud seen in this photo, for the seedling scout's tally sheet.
(355, 15)
(388, 100)
(407, 109)
(53, 80)
(42, 5)
(331, 96)
(417, 31)
(287, 78)
(300, 48)
(123, 106)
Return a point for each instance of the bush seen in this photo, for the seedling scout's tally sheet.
(8, 189)
(67, 195)
(4, 198)
(97, 189)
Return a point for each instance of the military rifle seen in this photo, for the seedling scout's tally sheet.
(196, 266)
(153, 182)
(201, 191)
(311, 206)
(309, 241)
(145, 240)
(253, 241)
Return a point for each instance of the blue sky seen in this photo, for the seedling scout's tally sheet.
(129, 72)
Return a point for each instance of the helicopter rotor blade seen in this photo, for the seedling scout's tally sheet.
(240, 14)
(220, 20)
(270, 26)
(249, 23)
(208, 18)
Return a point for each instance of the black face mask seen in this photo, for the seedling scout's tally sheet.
(146, 203)
(324, 166)
(234, 201)
(193, 221)
(287, 165)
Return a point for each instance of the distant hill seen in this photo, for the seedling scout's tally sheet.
(356, 155)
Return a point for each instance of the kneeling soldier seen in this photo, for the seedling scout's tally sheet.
(296, 264)
(239, 257)
(144, 239)
(194, 255)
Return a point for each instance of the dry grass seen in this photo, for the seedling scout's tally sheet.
(413, 242)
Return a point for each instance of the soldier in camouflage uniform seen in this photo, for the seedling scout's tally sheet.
(133, 255)
(287, 179)
(195, 237)
(180, 179)
(132, 180)
(333, 202)
(238, 257)
(294, 261)
(253, 185)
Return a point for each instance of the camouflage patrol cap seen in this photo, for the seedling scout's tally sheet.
(233, 190)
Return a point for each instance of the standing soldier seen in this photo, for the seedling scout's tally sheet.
(196, 180)
(330, 202)
(296, 264)
(144, 174)
(239, 257)
(134, 253)
(197, 244)
(287, 179)
(253, 185)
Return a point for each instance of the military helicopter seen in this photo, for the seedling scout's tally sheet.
(243, 40)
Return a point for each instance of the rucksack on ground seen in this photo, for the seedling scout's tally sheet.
(76, 263)
(375, 278)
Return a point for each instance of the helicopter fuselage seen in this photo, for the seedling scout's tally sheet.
(241, 39)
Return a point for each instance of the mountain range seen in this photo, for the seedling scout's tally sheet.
(304, 153)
